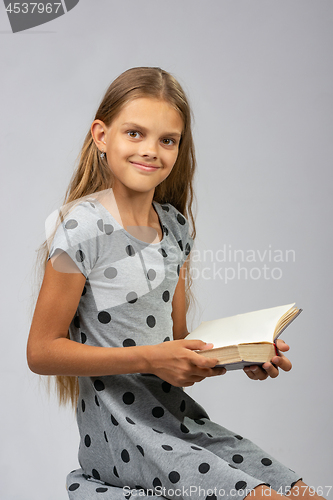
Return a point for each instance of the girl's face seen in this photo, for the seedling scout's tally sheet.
(142, 144)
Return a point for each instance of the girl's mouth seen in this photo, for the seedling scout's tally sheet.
(145, 166)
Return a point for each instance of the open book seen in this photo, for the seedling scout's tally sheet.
(245, 339)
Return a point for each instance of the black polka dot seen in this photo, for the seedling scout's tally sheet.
(128, 398)
(187, 249)
(83, 405)
(130, 421)
(71, 224)
(232, 466)
(182, 405)
(156, 482)
(166, 339)
(166, 387)
(174, 476)
(204, 468)
(158, 432)
(238, 459)
(199, 421)
(115, 472)
(125, 456)
(151, 274)
(114, 421)
(238, 437)
(105, 437)
(104, 317)
(151, 321)
(266, 461)
(165, 230)
(163, 252)
(240, 485)
(110, 273)
(73, 486)
(96, 474)
(87, 440)
(166, 447)
(211, 497)
(196, 448)
(91, 204)
(166, 296)
(99, 385)
(84, 291)
(183, 428)
(165, 207)
(178, 269)
(77, 321)
(293, 484)
(180, 243)
(132, 297)
(129, 342)
(100, 225)
(130, 250)
(83, 338)
(101, 489)
(140, 450)
(96, 401)
(181, 219)
(209, 435)
(158, 412)
(79, 255)
(108, 228)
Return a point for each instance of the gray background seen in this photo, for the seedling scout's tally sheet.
(259, 76)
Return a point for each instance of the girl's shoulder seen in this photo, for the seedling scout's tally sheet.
(78, 230)
(173, 215)
(175, 222)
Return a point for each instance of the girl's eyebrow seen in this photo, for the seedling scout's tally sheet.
(136, 126)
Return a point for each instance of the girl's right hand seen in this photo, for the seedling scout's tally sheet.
(177, 362)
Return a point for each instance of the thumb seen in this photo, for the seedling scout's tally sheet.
(198, 345)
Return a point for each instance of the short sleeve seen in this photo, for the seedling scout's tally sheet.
(187, 241)
(180, 228)
(79, 235)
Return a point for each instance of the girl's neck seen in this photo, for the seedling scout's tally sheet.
(134, 212)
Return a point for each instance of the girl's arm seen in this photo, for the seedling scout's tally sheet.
(50, 352)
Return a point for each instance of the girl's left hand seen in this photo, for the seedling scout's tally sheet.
(268, 369)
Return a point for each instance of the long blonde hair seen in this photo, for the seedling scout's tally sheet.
(93, 174)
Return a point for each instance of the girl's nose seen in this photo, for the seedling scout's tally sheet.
(148, 148)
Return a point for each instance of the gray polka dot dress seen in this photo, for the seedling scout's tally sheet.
(141, 436)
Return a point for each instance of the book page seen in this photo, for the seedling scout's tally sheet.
(256, 326)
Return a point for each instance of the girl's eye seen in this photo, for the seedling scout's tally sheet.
(169, 142)
(134, 134)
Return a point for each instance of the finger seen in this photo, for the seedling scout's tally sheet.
(282, 362)
(281, 345)
(254, 372)
(197, 345)
(218, 371)
(202, 361)
(271, 370)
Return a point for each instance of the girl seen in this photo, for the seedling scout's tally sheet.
(110, 320)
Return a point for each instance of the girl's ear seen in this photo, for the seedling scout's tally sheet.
(98, 132)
